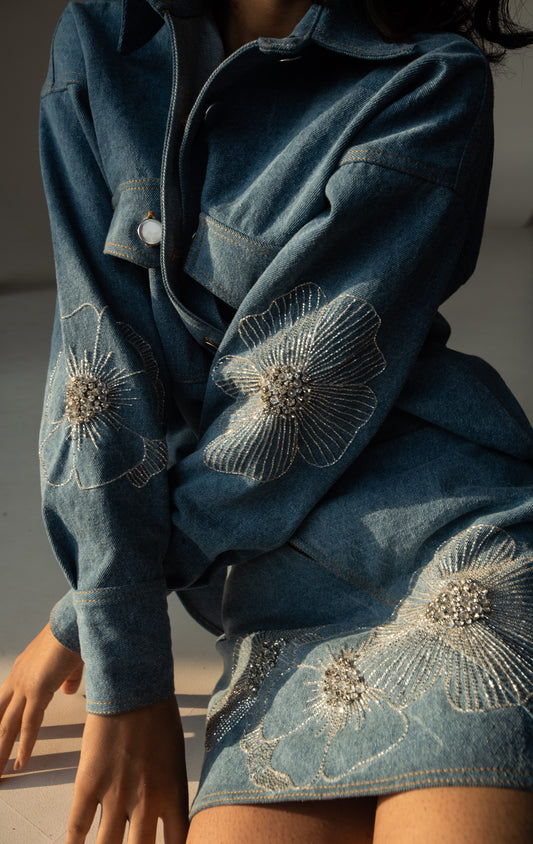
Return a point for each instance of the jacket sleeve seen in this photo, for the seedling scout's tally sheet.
(103, 451)
(325, 340)
(64, 624)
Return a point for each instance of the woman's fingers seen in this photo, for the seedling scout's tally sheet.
(131, 763)
(143, 829)
(112, 826)
(32, 719)
(6, 696)
(81, 817)
(6, 693)
(9, 729)
(37, 672)
(175, 826)
(72, 683)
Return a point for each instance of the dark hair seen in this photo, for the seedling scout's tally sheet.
(488, 23)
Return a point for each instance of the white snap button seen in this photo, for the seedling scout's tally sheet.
(149, 231)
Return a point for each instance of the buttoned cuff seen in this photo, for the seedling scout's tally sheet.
(64, 624)
(126, 646)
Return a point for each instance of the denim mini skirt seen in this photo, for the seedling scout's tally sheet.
(401, 661)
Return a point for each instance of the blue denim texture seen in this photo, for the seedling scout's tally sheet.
(325, 190)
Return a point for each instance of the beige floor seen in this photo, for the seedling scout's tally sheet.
(492, 316)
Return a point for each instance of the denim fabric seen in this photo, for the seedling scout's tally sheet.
(269, 391)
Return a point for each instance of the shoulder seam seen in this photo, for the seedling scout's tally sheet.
(72, 77)
(395, 162)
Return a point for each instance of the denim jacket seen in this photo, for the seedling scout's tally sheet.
(250, 252)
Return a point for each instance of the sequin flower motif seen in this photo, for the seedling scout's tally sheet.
(94, 429)
(468, 618)
(301, 388)
(321, 723)
(255, 659)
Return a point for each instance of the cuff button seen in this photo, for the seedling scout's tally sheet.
(149, 230)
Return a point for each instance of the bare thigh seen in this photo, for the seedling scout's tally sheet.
(455, 815)
(347, 821)
(452, 815)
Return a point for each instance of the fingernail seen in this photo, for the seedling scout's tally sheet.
(16, 766)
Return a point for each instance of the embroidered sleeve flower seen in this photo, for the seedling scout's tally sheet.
(468, 617)
(301, 388)
(94, 429)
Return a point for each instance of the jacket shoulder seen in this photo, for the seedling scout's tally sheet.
(84, 26)
(431, 114)
(450, 60)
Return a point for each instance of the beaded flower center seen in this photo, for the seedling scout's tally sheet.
(283, 388)
(342, 684)
(462, 603)
(87, 396)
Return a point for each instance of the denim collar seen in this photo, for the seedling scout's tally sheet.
(331, 27)
(141, 19)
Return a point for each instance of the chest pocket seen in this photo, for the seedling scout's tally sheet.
(225, 261)
(135, 201)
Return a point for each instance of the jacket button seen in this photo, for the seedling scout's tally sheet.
(149, 230)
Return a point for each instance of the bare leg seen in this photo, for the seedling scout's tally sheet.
(455, 815)
(347, 821)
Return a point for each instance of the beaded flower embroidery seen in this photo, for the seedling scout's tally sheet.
(311, 710)
(326, 712)
(91, 428)
(255, 658)
(469, 618)
(301, 387)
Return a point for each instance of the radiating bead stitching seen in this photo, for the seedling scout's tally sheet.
(468, 618)
(327, 700)
(300, 388)
(91, 405)
(261, 654)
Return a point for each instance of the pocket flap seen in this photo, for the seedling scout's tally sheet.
(133, 202)
(225, 261)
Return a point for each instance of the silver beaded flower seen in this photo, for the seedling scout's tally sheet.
(301, 387)
(321, 723)
(468, 618)
(94, 427)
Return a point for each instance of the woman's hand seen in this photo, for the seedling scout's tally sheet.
(133, 765)
(38, 672)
